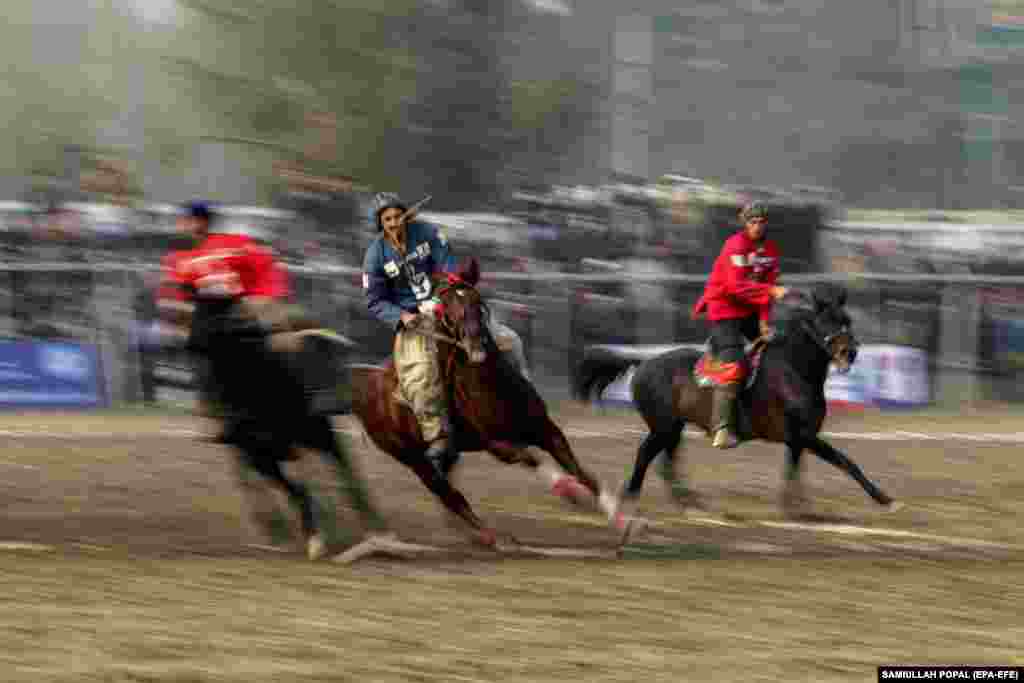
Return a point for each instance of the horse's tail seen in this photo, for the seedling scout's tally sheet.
(596, 371)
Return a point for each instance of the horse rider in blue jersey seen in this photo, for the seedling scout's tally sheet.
(397, 281)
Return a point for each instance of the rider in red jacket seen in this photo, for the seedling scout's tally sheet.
(231, 266)
(737, 301)
(237, 268)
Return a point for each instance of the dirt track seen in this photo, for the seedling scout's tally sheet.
(138, 499)
(144, 485)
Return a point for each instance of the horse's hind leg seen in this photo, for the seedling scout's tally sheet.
(829, 454)
(626, 503)
(653, 444)
(554, 442)
(670, 467)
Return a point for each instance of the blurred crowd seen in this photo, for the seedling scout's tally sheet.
(88, 272)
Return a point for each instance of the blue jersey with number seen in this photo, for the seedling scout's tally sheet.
(394, 283)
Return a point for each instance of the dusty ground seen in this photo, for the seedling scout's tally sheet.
(126, 556)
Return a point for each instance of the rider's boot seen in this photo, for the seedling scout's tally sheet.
(442, 455)
(723, 415)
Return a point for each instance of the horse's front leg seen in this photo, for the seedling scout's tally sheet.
(351, 484)
(831, 455)
(452, 499)
(262, 508)
(793, 501)
(266, 462)
(554, 442)
(560, 484)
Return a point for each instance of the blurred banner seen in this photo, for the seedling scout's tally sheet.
(50, 374)
(884, 376)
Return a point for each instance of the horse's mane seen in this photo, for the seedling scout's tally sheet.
(788, 318)
(787, 314)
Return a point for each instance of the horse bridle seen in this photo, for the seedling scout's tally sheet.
(451, 337)
(825, 341)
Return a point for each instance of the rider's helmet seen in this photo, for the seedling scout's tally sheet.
(199, 209)
(383, 201)
(195, 219)
(753, 210)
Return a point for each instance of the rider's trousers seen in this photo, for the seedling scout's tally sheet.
(728, 338)
(420, 383)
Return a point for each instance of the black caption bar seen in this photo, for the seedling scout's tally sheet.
(950, 673)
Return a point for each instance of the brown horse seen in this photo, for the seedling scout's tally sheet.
(494, 407)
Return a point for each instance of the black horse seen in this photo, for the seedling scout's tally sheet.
(270, 416)
(783, 403)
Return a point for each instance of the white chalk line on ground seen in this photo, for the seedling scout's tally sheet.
(572, 432)
(854, 530)
(847, 530)
(20, 545)
(753, 524)
(895, 435)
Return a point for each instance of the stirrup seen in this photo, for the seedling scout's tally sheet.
(725, 439)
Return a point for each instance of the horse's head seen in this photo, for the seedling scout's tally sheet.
(830, 325)
(463, 312)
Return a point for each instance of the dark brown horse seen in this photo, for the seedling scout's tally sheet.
(785, 403)
(494, 408)
(272, 418)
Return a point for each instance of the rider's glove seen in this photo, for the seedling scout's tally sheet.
(429, 307)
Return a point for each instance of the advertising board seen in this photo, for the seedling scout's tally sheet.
(51, 374)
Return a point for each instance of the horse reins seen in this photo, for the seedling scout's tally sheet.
(439, 336)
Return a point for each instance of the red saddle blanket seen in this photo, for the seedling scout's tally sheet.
(708, 372)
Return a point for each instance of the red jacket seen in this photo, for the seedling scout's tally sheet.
(223, 265)
(741, 280)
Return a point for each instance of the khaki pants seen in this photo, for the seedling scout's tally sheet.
(420, 383)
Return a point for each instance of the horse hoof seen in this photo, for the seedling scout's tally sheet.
(611, 505)
(316, 548)
(508, 543)
(630, 527)
(621, 521)
(487, 538)
(570, 488)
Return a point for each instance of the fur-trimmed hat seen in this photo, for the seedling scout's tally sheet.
(753, 210)
(383, 201)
